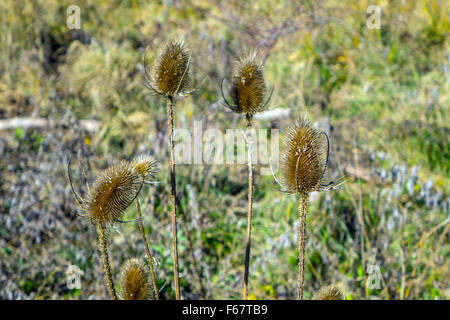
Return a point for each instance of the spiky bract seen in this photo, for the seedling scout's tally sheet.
(328, 293)
(145, 166)
(248, 89)
(303, 159)
(134, 281)
(112, 192)
(170, 74)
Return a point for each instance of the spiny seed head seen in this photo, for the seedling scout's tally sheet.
(134, 281)
(112, 192)
(145, 166)
(303, 158)
(248, 89)
(170, 74)
(328, 293)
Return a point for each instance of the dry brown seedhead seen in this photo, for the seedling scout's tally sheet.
(170, 74)
(145, 166)
(304, 161)
(248, 90)
(134, 281)
(328, 293)
(304, 158)
(112, 192)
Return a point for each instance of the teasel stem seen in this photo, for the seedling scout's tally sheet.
(302, 214)
(147, 249)
(173, 201)
(101, 230)
(250, 207)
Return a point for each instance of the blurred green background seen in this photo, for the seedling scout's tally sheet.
(381, 94)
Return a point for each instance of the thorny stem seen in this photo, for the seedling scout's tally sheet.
(173, 197)
(302, 213)
(250, 208)
(147, 249)
(106, 266)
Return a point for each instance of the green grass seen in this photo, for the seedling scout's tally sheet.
(382, 91)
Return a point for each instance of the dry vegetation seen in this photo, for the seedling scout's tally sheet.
(381, 95)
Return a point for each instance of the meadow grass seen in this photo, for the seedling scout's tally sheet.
(383, 94)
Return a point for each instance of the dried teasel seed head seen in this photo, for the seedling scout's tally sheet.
(170, 74)
(303, 158)
(248, 91)
(145, 166)
(328, 293)
(134, 281)
(112, 192)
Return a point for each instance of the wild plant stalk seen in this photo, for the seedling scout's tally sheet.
(171, 76)
(113, 191)
(147, 250)
(302, 215)
(173, 195)
(250, 208)
(248, 92)
(304, 161)
(106, 266)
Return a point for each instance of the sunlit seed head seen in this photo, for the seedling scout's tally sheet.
(303, 158)
(112, 192)
(248, 90)
(134, 281)
(328, 293)
(171, 74)
(145, 166)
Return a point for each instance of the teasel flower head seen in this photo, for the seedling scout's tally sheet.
(170, 74)
(304, 159)
(134, 281)
(328, 293)
(145, 166)
(112, 192)
(248, 90)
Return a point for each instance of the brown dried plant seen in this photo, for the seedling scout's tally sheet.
(145, 167)
(248, 93)
(330, 292)
(113, 191)
(304, 161)
(248, 90)
(134, 282)
(171, 76)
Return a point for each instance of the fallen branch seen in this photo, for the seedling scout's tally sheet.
(41, 123)
(274, 114)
